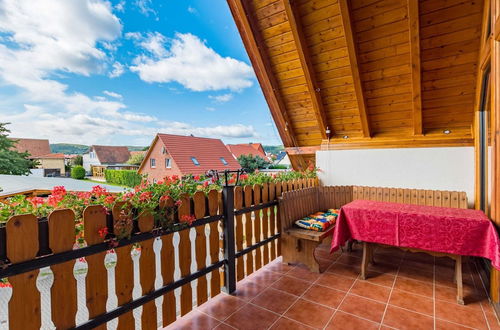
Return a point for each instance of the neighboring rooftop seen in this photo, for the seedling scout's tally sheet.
(254, 149)
(48, 156)
(35, 147)
(111, 154)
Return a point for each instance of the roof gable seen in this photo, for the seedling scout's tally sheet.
(35, 147)
(254, 149)
(111, 154)
(208, 153)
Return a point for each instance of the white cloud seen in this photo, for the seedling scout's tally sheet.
(120, 6)
(192, 10)
(113, 94)
(145, 7)
(192, 64)
(154, 43)
(118, 70)
(221, 98)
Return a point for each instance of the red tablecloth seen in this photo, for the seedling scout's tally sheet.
(440, 229)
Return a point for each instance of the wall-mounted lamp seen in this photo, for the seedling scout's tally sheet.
(446, 131)
(345, 137)
(328, 132)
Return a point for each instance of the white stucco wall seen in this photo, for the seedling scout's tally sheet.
(88, 162)
(417, 168)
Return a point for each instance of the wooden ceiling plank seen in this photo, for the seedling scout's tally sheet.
(250, 36)
(353, 58)
(414, 30)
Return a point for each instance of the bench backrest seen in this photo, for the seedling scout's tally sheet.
(297, 204)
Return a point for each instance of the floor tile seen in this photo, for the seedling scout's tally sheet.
(363, 307)
(412, 302)
(335, 281)
(292, 285)
(372, 291)
(264, 277)
(324, 295)
(303, 273)
(460, 314)
(380, 278)
(344, 270)
(310, 313)
(251, 318)
(224, 326)
(492, 321)
(384, 267)
(346, 321)
(275, 300)
(403, 319)
(279, 267)
(287, 324)
(414, 286)
(471, 299)
(349, 260)
(195, 320)
(415, 273)
(445, 325)
(222, 306)
(247, 290)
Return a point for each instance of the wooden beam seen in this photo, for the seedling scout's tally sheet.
(252, 40)
(302, 150)
(353, 59)
(307, 66)
(414, 29)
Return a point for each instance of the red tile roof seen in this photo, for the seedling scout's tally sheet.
(207, 151)
(111, 154)
(35, 147)
(49, 156)
(254, 149)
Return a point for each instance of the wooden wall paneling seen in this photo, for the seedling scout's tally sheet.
(22, 245)
(124, 269)
(96, 285)
(429, 197)
(200, 211)
(238, 204)
(352, 50)
(248, 196)
(185, 257)
(213, 209)
(63, 292)
(294, 20)
(414, 29)
(265, 223)
(147, 273)
(400, 195)
(169, 305)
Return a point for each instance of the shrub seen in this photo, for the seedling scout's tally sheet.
(78, 172)
(127, 178)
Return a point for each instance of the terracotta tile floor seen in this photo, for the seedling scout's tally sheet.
(403, 291)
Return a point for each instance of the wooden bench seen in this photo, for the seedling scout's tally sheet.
(297, 245)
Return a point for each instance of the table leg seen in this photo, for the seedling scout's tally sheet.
(365, 260)
(458, 277)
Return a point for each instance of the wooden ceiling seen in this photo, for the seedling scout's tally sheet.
(376, 73)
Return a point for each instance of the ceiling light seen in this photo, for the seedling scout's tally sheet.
(446, 131)
(345, 137)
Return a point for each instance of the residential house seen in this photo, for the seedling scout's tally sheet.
(39, 150)
(283, 159)
(254, 149)
(181, 155)
(99, 158)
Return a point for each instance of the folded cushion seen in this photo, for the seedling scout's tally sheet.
(319, 221)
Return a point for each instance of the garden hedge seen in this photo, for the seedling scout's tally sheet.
(127, 178)
(78, 172)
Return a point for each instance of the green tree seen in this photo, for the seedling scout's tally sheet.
(251, 163)
(78, 172)
(12, 161)
(78, 160)
(136, 159)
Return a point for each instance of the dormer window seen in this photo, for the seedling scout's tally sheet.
(223, 160)
(195, 161)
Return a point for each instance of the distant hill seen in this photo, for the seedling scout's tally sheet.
(274, 149)
(68, 148)
(79, 149)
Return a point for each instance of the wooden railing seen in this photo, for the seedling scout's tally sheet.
(243, 229)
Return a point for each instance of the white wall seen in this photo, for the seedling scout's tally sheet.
(418, 168)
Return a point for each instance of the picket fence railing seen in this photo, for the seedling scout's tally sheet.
(237, 228)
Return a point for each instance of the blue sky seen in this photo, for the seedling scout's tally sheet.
(117, 72)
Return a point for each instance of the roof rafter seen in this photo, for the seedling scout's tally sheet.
(251, 37)
(353, 59)
(414, 31)
(307, 66)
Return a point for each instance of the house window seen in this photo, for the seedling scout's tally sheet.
(223, 161)
(152, 162)
(168, 163)
(195, 161)
(92, 154)
(163, 150)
